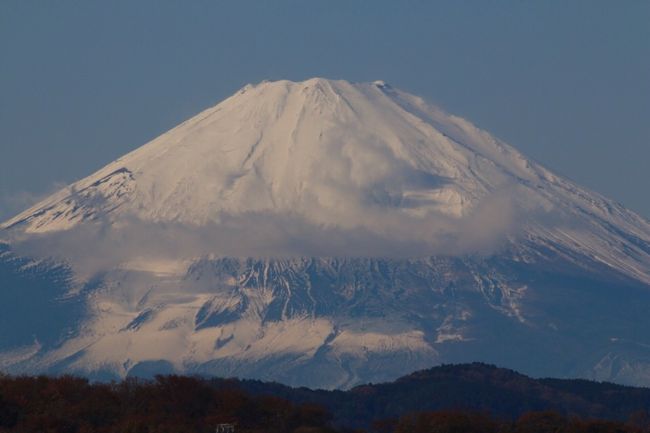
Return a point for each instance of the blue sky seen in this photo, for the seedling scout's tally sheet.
(83, 82)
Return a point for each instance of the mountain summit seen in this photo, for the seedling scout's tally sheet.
(300, 147)
(327, 233)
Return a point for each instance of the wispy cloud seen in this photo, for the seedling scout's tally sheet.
(383, 233)
(14, 202)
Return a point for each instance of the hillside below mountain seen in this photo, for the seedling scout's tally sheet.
(498, 392)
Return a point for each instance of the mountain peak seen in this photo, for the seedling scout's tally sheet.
(348, 156)
(293, 146)
(325, 232)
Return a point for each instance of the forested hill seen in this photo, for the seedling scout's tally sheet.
(480, 387)
(453, 398)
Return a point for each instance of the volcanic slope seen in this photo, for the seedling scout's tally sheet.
(328, 233)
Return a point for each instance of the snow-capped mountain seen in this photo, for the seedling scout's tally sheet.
(326, 233)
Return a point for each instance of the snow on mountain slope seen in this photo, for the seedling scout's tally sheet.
(431, 241)
(340, 155)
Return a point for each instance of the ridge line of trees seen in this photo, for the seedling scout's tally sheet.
(182, 404)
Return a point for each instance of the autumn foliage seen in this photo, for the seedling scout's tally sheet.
(179, 404)
(167, 404)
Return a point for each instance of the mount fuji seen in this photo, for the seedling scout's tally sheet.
(325, 233)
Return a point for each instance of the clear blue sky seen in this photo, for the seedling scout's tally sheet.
(567, 82)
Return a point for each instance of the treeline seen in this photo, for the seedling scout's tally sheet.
(530, 422)
(168, 404)
(179, 404)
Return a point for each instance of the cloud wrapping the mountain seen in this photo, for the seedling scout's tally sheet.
(373, 231)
